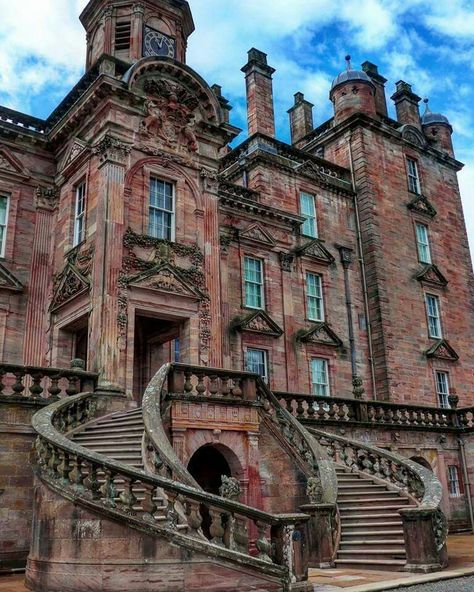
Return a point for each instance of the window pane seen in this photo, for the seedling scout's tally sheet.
(442, 389)
(161, 214)
(308, 211)
(257, 362)
(253, 276)
(314, 297)
(424, 254)
(3, 209)
(434, 325)
(413, 176)
(320, 382)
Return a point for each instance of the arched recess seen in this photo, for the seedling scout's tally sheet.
(422, 461)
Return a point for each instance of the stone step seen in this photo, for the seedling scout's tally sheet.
(382, 564)
(359, 520)
(385, 532)
(395, 553)
(382, 544)
(364, 493)
(99, 431)
(132, 422)
(125, 444)
(360, 486)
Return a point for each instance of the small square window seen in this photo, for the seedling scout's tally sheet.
(257, 362)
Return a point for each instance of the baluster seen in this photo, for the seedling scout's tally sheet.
(321, 410)
(36, 389)
(188, 383)
(299, 408)
(404, 418)
(237, 388)
(241, 535)
(263, 545)
(64, 467)
(18, 387)
(127, 496)
(341, 414)
(311, 411)
(54, 389)
(331, 410)
(201, 387)
(53, 460)
(216, 529)
(108, 489)
(225, 388)
(193, 514)
(380, 415)
(76, 478)
(351, 414)
(213, 386)
(228, 523)
(2, 385)
(288, 405)
(73, 385)
(171, 513)
(148, 504)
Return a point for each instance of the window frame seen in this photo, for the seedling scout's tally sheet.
(309, 219)
(442, 396)
(315, 297)
(420, 245)
(413, 176)
(428, 316)
(172, 212)
(261, 284)
(3, 245)
(266, 376)
(79, 236)
(457, 490)
(327, 385)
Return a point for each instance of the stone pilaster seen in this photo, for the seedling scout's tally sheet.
(137, 31)
(35, 345)
(105, 351)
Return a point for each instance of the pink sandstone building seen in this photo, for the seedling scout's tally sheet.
(308, 307)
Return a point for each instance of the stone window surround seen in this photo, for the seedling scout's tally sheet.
(267, 359)
(328, 372)
(244, 256)
(82, 216)
(440, 323)
(429, 260)
(172, 212)
(323, 299)
(5, 195)
(416, 189)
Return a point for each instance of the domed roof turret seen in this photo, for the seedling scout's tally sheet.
(350, 75)
(430, 118)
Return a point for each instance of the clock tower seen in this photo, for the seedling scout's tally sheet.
(133, 29)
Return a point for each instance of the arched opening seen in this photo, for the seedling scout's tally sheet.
(422, 461)
(207, 465)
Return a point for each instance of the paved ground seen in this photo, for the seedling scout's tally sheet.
(458, 585)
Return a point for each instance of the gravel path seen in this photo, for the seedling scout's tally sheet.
(456, 585)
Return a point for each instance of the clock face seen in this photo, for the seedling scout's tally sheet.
(158, 44)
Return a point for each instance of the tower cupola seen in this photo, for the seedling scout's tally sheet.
(437, 129)
(352, 92)
(130, 30)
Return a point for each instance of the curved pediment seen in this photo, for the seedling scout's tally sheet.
(413, 135)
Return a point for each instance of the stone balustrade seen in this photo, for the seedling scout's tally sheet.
(20, 383)
(153, 503)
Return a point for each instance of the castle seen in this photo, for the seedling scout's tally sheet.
(271, 344)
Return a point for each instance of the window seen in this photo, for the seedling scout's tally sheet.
(161, 224)
(308, 211)
(123, 33)
(454, 483)
(442, 389)
(319, 377)
(314, 297)
(257, 362)
(423, 243)
(413, 176)
(4, 205)
(80, 214)
(253, 273)
(176, 348)
(434, 321)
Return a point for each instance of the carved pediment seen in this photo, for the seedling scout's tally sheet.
(310, 169)
(430, 274)
(259, 322)
(256, 233)
(11, 164)
(321, 334)
(71, 283)
(317, 250)
(422, 205)
(8, 281)
(165, 279)
(442, 351)
(413, 135)
(75, 149)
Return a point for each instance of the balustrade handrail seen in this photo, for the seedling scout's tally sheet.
(428, 496)
(69, 409)
(48, 371)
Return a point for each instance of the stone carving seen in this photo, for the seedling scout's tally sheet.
(413, 135)
(210, 180)
(256, 233)
(169, 117)
(316, 249)
(8, 281)
(230, 488)
(430, 274)
(286, 261)
(46, 198)
(422, 205)
(441, 529)
(112, 149)
(314, 490)
(320, 333)
(443, 351)
(258, 322)
(68, 284)
(358, 389)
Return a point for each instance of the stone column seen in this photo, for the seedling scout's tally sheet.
(108, 29)
(35, 345)
(105, 338)
(136, 49)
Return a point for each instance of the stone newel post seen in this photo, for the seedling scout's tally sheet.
(425, 533)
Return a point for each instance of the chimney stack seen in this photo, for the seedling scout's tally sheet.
(258, 78)
(379, 81)
(301, 118)
(407, 105)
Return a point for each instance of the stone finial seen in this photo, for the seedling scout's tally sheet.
(78, 364)
(358, 388)
(230, 488)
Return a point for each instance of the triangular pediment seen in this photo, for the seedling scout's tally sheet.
(258, 322)
(430, 274)
(422, 205)
(310, 169)
(321, 334)
(165, 278)
(256, 233)
(11, 164)
(71, 285)
(75, 149)
(317, 250)
(442, 351)
(8, 281)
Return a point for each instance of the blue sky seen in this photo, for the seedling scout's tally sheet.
(427, 43)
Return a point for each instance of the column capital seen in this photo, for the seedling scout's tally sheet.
(47, 198)
(112, 149)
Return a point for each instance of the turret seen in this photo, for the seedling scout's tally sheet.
(438, 129)
(352, 92)
(132, 30)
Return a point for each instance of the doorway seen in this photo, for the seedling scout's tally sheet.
(207, 465)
